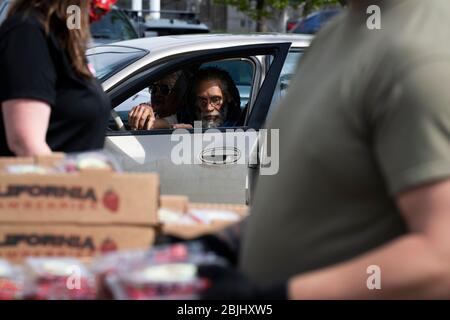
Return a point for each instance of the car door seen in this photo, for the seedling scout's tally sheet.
(258, 156)
(206, 165)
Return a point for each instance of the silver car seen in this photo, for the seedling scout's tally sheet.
(261, 66)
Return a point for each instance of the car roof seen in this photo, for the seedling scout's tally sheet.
(161, 47)
(154, 44)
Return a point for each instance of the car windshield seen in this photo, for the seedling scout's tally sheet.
(114, 26)
(108, 60)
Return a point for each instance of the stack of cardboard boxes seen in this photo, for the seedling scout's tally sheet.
(86, 213)
(77, 214)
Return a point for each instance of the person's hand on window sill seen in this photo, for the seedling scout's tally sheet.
(142, 117)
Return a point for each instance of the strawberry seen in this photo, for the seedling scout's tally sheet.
(108, 246)
(111, 201)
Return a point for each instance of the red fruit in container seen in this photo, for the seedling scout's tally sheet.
(109, 264)
(158, 281)
(11, 281)
(163, 273)
(173, 253)
(58, 279)
(8, 289)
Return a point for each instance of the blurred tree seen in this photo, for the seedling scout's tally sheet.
(260, 10)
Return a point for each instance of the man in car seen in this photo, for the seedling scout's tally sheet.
(212, 97)
(360, 208)
(166, 100)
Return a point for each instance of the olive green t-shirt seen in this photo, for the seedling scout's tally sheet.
(367, 116)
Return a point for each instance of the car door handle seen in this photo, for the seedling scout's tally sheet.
(219, 156)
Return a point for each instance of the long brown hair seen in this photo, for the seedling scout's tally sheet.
(53, 16)
(232, 99)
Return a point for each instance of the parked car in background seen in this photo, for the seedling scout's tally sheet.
(171, 22)
(114, 26)
(4, 5)
(316, 20)
(165, 27)
(261, 67)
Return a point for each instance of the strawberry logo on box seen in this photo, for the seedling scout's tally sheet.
(111, 201)
(108, 245)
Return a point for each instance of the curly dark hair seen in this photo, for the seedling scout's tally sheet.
(232, 99)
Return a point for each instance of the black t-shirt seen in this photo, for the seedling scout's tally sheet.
(34, 66)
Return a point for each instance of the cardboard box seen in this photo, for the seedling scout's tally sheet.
(48, 160)
(79, 214)
(174, 202)
(184, 231)
(18, 241)
(240, 209)
(90, 196)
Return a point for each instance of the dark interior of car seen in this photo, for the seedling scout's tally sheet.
(241, 72)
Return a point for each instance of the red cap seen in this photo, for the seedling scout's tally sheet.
(104, 4)
(99, 8)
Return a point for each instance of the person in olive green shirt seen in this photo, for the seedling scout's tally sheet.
(364, 176)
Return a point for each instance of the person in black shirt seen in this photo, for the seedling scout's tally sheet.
(50, 100)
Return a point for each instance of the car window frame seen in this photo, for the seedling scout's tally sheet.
(255, 81)
(160, 67)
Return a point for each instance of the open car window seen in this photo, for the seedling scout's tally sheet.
(241, 70)
(266, 74)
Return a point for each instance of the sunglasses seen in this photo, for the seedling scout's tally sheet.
(163, 89)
